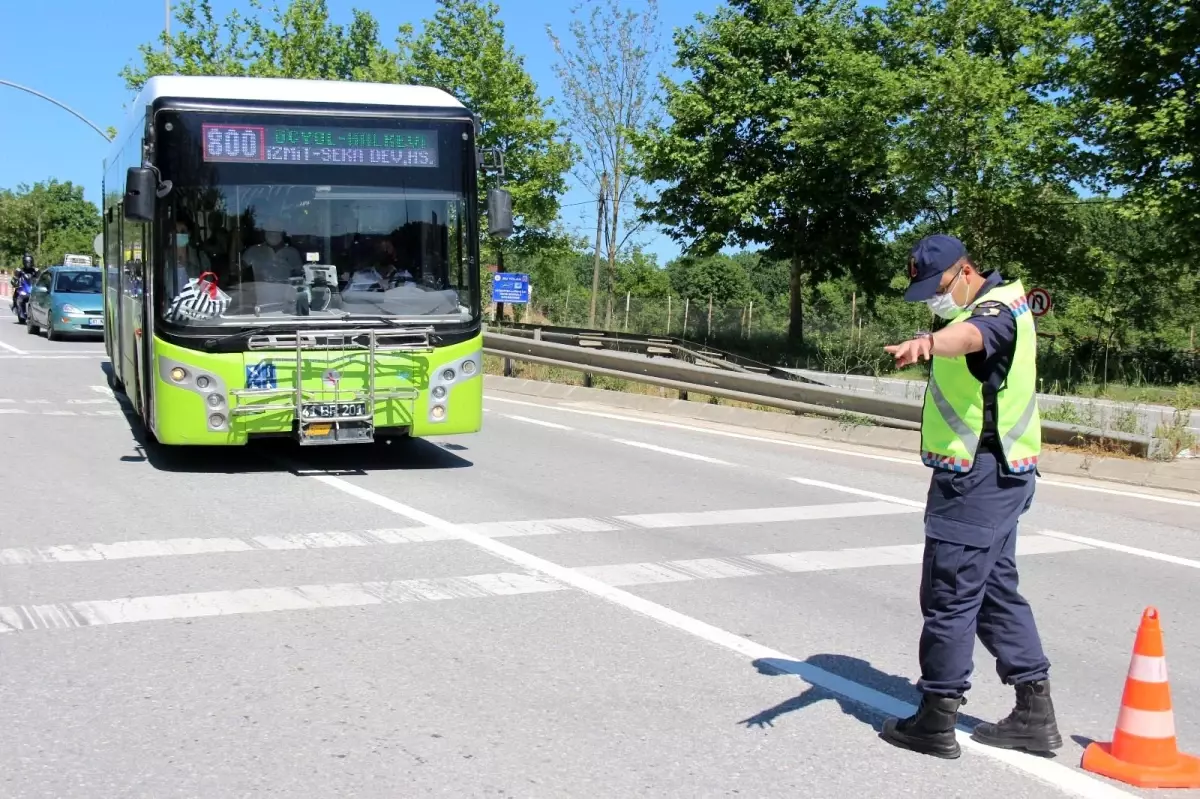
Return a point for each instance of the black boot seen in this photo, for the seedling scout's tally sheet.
(1030, 726)
(931, 730)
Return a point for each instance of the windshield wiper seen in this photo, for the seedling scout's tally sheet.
(241, 335)
(283, 327)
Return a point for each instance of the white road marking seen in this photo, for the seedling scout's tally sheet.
(1062, 777)
(58, 413)
(128, 610)
(857, 492)
(793, 562)
(27, 618)
(911, 462)
(1141, 553)
(105, 390)
(28, 357)
(1116, 492)
(9, 401)
(666, 451)
(122, 550)
(539, 422)
(12, 349)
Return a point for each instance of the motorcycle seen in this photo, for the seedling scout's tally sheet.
(21, 298)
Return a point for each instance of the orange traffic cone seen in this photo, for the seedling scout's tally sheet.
(1143, 750)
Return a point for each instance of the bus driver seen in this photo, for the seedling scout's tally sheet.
(272, 261)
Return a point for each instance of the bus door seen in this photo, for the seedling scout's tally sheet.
(133, 276)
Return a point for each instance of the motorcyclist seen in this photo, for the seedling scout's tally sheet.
(28, 270)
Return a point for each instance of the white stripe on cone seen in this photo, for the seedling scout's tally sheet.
(1146, 723)
(1148, 669)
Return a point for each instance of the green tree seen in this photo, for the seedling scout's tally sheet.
(639, 274)
(1139, 91)
(983, 151)
(48, 219)
(1142, 288)
(608, 93)
(463, 50)
(300, 42)
(779, 137)
(720, 277)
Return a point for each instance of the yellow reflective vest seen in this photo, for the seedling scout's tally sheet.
(952, 420)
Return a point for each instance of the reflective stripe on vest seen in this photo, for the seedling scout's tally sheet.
(953, 417)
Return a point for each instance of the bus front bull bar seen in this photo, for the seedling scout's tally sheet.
(339, 428)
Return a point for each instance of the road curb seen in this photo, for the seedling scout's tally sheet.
(1178, 476)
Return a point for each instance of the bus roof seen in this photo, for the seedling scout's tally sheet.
(282, 90)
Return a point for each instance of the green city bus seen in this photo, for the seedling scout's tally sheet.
(296, 258)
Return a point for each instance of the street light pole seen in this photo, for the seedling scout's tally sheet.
(63, 106)
(167, 25)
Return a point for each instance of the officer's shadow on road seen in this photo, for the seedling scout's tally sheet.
(283, 455)
(881, 694)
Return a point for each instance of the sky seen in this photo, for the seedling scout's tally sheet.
(74, 50)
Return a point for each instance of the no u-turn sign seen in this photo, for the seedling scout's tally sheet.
(1039, 302)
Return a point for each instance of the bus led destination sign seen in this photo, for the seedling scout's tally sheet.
(286, 144)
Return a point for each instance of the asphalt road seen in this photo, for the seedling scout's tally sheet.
(575, 602)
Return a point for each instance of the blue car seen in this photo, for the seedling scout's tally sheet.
(66, 300)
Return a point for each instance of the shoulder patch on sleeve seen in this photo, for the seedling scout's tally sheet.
(992, 308)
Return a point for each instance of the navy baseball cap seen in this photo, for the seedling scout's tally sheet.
(929, 259)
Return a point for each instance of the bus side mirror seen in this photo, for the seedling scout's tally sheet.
(141, 187)
(500, 219)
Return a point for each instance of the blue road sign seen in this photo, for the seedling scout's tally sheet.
(510, 287)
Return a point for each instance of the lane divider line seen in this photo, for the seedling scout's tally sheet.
(1128, 550)
(667, 451)
(539, 422)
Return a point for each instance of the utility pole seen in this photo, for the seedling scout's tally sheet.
(600, 208)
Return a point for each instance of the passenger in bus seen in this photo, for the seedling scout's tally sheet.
(379, 271)
(190, 262)
(273, 261)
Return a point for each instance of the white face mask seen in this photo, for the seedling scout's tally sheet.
(943, 304)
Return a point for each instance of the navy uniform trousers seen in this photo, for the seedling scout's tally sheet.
(969, 579)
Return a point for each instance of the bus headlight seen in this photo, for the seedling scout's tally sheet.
(215, 400)
(438, 413)
(202, 382)
(448, 375)
(216, 420)
(439, 392)
(178, 374)
(468, 367)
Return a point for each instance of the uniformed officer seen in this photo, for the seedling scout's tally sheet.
(981, 435)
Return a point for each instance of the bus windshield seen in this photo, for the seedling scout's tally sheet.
(286, 218)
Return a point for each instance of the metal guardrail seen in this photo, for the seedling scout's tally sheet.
(651, 346)
(791, 395)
